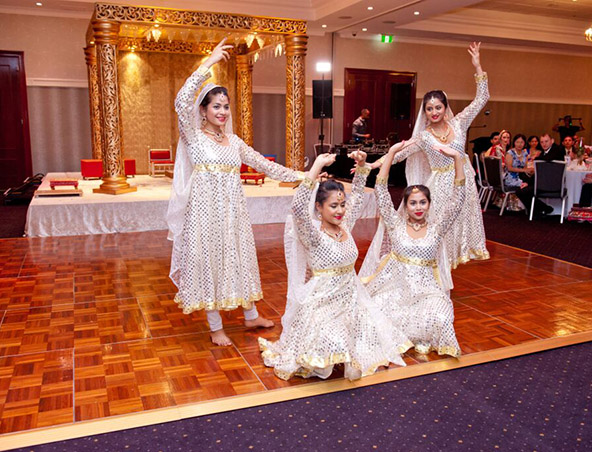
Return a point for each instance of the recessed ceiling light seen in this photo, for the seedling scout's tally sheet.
(416, 13)
(324, 26)
(364, 29)
(39, 4)
(370, 8)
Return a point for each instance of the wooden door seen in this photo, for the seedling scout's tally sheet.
(15, 145)
(390, 97)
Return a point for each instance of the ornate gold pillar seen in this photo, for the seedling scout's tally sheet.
(244, 98)
(106, 36)
(93, 92)
(295, 57)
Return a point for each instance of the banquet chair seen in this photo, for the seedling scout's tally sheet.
(549, 182)
(318, 150)
(494, 174)
(482, 183)
(159, 161)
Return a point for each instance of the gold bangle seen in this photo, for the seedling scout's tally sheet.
(363, 170)
(382, 180)
(479, 78)
(308, 183)
(459, 182)
(300, 175)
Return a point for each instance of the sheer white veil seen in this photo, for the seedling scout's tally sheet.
(417, 172)
(182, 180)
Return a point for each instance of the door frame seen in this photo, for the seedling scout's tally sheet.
(24, 108)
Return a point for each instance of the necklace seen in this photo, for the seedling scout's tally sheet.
(334, 235)
(417, 226)
(218, 136)
(442, 137)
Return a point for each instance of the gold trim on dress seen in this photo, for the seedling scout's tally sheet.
(336, 271)
(307, 182)
(381, 180)
(310, 363)
(227, 304)
(363, 170)
(471, 255)
(460, 182)
(480, 78)
(442, 350)
(406, 260)
(215, 168)
(443, 169)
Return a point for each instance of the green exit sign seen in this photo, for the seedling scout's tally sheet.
(386, 38)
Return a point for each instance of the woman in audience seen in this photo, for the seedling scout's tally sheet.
(405, 282)
(330, 319)
(534, 149)
(517, 172)
(501, 149)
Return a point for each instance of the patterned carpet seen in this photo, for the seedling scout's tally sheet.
(538, 402)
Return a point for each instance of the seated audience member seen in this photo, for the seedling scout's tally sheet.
(494, 140)
(516, 163)
(500, 149)
(568, 145)
(534, 148)
(551, 151)
(567, 128)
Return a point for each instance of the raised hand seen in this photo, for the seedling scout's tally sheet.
(359, 157)
(219, 53)
(475, 56)
(324, 160)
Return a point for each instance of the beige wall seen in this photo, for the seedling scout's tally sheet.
(52, 45)
(529, 89)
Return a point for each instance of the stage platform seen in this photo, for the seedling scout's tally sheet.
(145, 209)
(91, 340)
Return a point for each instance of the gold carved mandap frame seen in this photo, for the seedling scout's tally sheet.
(151, 29)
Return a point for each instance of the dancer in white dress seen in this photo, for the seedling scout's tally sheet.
(436, 126)
(330, 319)
(406, 284)
(214, 261)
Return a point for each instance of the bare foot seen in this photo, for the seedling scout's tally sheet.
(219, 338)
(259, 322)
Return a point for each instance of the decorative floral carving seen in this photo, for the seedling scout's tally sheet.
(244, 95)
(198, 19)
(142, 45)
(295, 96)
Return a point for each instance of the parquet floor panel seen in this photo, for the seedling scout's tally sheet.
(89, 328)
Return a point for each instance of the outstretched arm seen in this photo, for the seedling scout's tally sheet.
(383, 198)
(407, 148)
(466, 117)
(185, 100)
(253, 158)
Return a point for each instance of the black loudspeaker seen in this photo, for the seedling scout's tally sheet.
(322, 100)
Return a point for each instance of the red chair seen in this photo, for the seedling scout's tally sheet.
(129, 167)
(91, 168)
(159, 161)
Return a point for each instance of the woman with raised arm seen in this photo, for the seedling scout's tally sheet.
(329, 319)
(436, 127)
(214, 261)
(406, 284)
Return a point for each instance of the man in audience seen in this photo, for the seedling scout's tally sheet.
(567, 128)
(568, 145)
(551, 151)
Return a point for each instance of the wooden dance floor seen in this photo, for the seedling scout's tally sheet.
(92, 341)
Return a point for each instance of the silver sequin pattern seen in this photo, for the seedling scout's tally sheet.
(406, 286)
(217, 256)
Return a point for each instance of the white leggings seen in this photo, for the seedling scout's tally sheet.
(215, 320)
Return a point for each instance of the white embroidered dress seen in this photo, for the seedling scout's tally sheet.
(466, 238)
(330, 319)
(407, 285)
(214, 261)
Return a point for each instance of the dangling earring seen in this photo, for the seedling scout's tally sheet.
(203, 120)
(319, 216)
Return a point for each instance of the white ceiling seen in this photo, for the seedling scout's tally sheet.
(532, 23)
